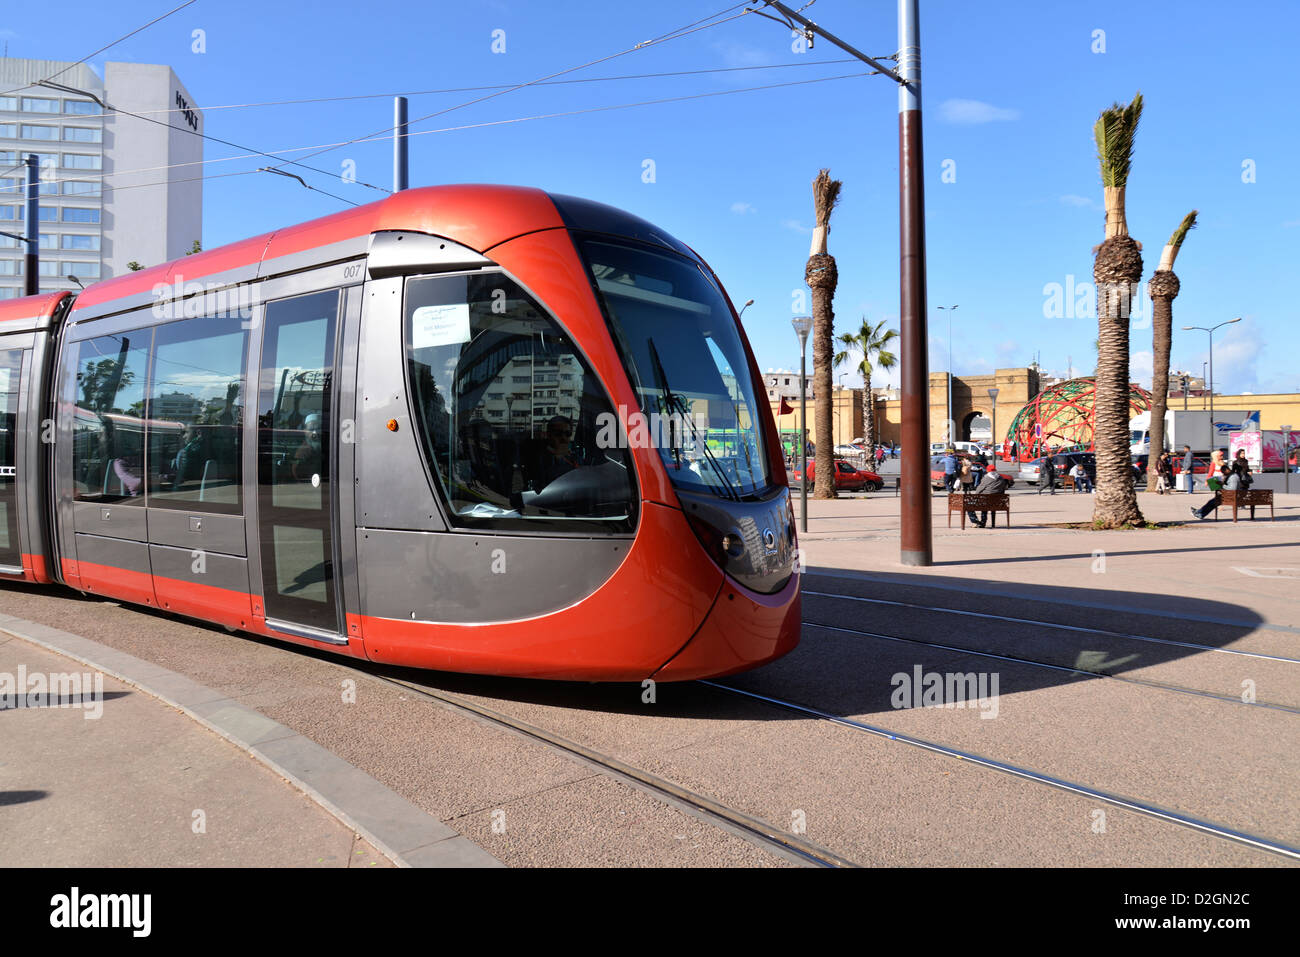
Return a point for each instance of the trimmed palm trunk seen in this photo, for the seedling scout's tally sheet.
(821, 276)
(872, 342)
(1163, 289)
(1116, 272)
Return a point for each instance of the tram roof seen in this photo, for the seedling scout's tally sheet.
(474, 215)
(34, 309)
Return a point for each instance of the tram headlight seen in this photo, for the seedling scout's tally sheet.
(721, 544)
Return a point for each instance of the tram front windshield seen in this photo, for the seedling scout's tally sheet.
(681, 348)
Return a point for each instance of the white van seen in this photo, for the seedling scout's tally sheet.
(938, 448)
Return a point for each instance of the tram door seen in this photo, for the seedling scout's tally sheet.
(11, 364)
(295, 492)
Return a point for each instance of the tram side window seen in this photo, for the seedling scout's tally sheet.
(516, 426)
(108, 428)
(196, 409)
(11, 364)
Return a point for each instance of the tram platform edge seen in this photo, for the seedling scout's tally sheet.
(94, 793)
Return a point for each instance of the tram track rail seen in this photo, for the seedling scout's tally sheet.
(966, 613)
(1035, 663)
(747, 827)
(1136, 805)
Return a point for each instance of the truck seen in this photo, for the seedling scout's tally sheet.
(1265, 451)
(1194, 427)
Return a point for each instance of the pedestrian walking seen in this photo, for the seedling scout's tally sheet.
(967, 476)
(1165, 474)
(1047, 474)
(1189, 464)
(949, 470)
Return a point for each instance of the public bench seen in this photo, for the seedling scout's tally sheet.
(1246, 498)
(992, 503)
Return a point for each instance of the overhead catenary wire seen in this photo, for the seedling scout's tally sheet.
(125, 36)
(307, 101)
(671, 35)
(279, 152)
(486, 123)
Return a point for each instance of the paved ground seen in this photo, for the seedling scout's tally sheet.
(126, 780)
(1185, 620)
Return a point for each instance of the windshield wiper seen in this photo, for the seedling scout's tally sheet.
(670, 402)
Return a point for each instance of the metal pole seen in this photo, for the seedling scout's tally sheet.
(1286, 458)
(31, 280)
(803, 437)
(400, 141)
(1214, 435)
(1184, 393)
(948, 427)
(916, 547)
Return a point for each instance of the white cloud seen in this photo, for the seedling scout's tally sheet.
(740, 209)
(741, 54)
(797, 226)
(1083, 202)
(1140, 368)
(974, 112)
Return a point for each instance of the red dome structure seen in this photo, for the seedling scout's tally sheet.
(1063, 417)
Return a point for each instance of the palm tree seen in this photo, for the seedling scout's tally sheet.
(870, 341)
(821, 276)
(1116, 273)
(1163, 288)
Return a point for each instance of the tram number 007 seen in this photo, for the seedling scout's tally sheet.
(8, 471)
(353, 270)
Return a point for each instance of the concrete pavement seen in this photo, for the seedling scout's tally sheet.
(99, 772)
(1182, 617)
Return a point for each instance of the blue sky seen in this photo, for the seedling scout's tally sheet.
(1011, 91)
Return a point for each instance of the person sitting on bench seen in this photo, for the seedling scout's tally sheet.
(1229, 479)
(993, 484)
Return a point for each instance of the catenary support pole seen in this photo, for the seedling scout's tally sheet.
(915, 545)
(32, 268)
(400, 145)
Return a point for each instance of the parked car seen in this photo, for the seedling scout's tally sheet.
(847, 478)
(938, 448)
(936, 470)
(850, 451)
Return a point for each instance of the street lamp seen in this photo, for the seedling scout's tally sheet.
(1288, 442)
(993, 403)
(803, 326)
(744, 307)
(1213, 433)
(947, 429)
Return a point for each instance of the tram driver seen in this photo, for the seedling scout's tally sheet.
(557, 456)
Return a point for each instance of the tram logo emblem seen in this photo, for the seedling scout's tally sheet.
(769, 541)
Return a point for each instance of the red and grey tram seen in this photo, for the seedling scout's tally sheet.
(468, 428)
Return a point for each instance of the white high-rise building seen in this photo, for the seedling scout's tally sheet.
(115, 188)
